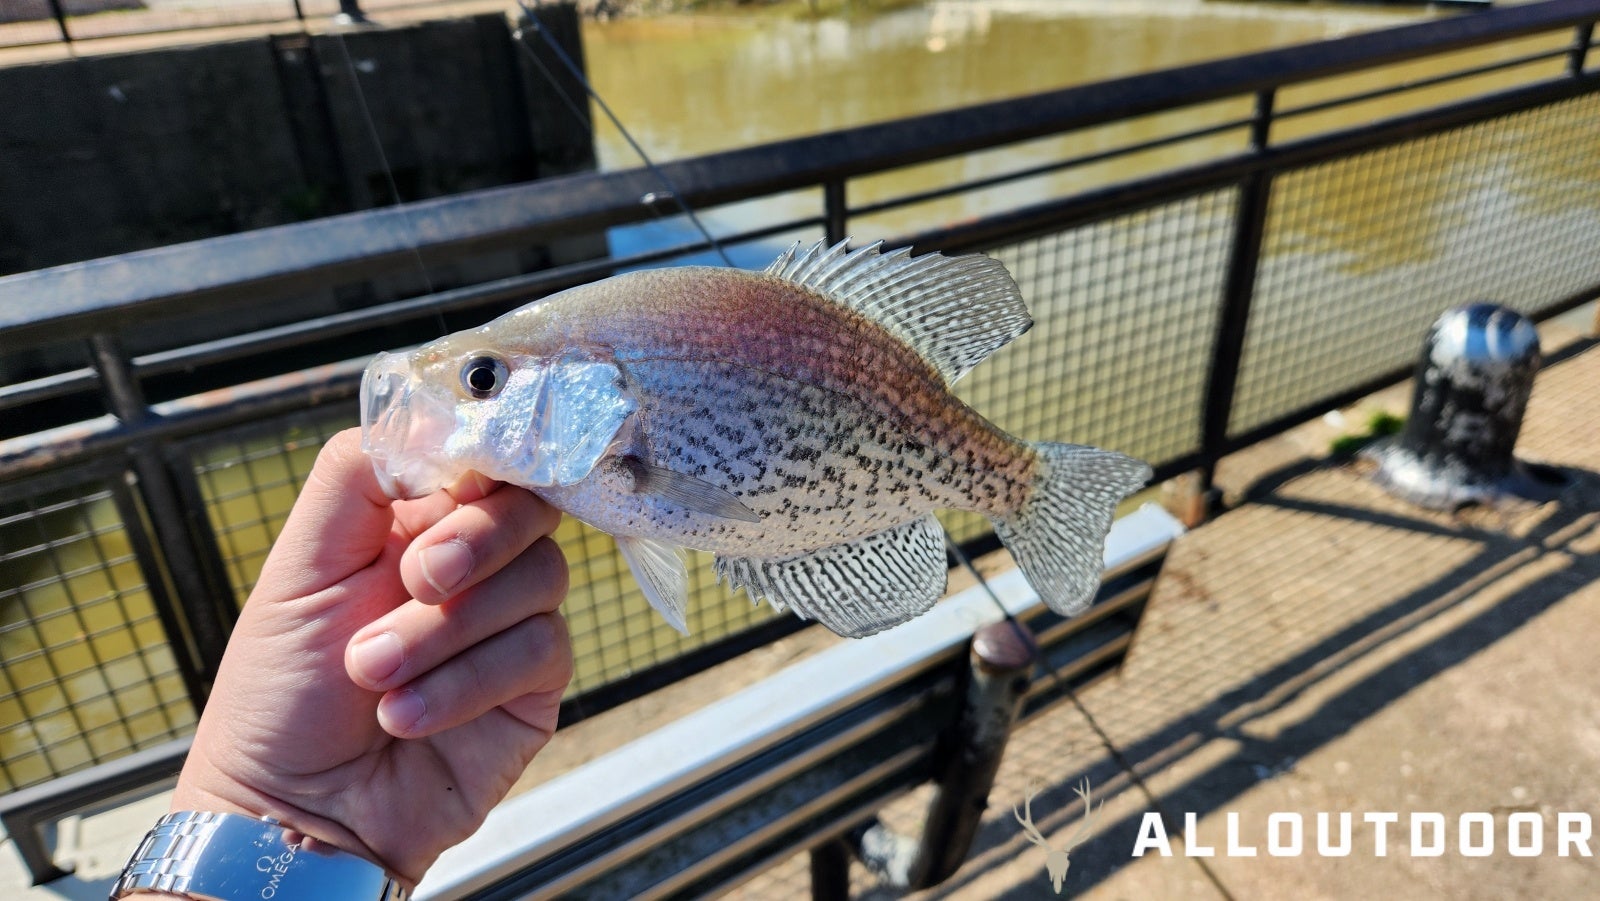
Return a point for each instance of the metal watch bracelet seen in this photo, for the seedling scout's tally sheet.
(227, 857)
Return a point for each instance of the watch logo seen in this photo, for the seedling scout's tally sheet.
(275, 868)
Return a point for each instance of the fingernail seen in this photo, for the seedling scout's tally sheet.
(377, 658)
(400, 711)
(445, 565)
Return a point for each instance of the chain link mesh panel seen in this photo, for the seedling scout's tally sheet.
(86, 671)
(1361, 254)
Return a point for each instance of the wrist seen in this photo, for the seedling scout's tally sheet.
(210, 856)
(201, 788)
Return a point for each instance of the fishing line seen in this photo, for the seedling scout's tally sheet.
(1055, 677)
(532, 19)
(388, 175)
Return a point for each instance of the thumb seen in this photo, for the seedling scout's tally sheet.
(339, 525)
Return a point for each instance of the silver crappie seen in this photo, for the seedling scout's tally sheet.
(798, 423)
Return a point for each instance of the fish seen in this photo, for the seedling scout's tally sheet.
(798, 423)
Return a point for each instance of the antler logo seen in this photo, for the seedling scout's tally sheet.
(1057, 862)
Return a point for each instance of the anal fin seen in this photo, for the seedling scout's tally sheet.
(854, 589)
(659, 569)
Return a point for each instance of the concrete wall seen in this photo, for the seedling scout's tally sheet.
(105, 154)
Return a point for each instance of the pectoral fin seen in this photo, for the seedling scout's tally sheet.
(659, 569)
(855, 589)
(687, 491)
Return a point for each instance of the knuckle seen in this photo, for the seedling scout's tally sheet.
(531, 517)
(552, 566)
(553, 649)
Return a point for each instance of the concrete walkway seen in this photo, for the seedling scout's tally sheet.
(1320, 648)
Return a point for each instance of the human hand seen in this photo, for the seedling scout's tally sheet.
(396, 668)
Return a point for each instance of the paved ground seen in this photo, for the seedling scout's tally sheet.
(1319, 648)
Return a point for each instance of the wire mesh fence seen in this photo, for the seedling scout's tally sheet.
(1362, 253)
(249, 478)
(1124, 311)
(86, 670)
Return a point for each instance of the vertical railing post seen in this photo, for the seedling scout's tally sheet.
(999, 661)
(830, 871)
(61, 20)
(149, 559)
(350, 13)
(835, 210)
(207, 628)
(1238, 291)
(1578, 56)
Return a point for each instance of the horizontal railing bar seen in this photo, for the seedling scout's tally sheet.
(1129, 197)
(1378, 93)
(75, 474)
(105, 435)
(235, 269)
(907, 760)
(1046, 168)
(638, 684)
(529, 285)
(26, 811)
(49, 387)
(775, 767)
(861, 808)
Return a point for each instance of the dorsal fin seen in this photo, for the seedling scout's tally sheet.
(954, 311)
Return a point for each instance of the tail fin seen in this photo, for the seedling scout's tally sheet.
(1058, 535)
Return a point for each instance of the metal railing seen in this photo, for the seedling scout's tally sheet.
(1280, 228)
(804, 758)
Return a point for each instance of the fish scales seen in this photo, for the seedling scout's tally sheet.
(816, 465)
(836, 392)
(798, 423)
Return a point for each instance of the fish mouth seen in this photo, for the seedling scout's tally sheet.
(403, 429)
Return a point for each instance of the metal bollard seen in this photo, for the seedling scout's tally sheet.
(1002, 657)
(1472, 385)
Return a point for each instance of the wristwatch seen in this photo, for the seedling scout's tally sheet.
(227, 857)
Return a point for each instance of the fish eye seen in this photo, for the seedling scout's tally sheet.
(483, 377)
